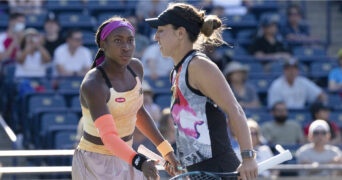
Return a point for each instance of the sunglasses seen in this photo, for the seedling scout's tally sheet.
(316, 133)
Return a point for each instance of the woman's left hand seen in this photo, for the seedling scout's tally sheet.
(172, 166)
(248, 169)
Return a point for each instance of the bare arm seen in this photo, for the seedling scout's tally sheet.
(147, 126)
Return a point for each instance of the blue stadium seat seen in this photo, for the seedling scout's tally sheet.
(36, 20)
(88, 38)
(228, 36)
(69, 83)
(242, 21)
(276, 68)
(255, 68)
(161, 85)
(261, 84)
(261, 6)
(75, 103)
(53, 119)
(64, 140)
(60, 6)
(108, 6)
(334, 100)
(261, 115)
(244, 37)
(77, 20)
(321, 69)
(4, 20)
(163, 100)
(104, 16)
(302, 116)
(309, 54)
(336, 116)
(42, 101)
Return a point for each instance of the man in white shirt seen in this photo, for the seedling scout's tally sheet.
(296, 91)
(72, 58)
(155, 65)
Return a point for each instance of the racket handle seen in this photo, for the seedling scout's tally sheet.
(275, 160)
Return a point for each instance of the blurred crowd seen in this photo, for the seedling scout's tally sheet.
(289, 87)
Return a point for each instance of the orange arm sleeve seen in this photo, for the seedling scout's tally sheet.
(109, 136)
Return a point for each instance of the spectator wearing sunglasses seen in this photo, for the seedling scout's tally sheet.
(318, 150)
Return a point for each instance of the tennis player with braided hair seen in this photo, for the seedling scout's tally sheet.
(112, 106)
(201, 95)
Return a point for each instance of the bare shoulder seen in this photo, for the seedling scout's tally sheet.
(200, 63)
(92, 83)
(137, 67)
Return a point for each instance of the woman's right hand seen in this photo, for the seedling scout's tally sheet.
(149, 169)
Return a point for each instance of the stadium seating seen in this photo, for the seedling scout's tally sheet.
(71, 20)
(48, 119)
(163, 100)
(36, 20)
(62, 6)
(309, 53)
(161, 85)
(321, 68)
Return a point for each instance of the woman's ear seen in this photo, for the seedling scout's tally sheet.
(181, 32)
(102, 44)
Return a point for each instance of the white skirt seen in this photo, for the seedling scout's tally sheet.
(94, 166)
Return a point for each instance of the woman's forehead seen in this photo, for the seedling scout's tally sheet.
(122, 31)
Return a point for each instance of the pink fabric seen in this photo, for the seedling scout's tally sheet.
(114, 25)
(99, 60)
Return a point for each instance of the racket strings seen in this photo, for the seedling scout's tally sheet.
(205, 176)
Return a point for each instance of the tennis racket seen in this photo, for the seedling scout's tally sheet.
(284, 155)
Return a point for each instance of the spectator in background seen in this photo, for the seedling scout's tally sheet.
(33, 57)
(147, 9)
(335, 75)
(141, 41)
(259, 145)
(293, 89)
(268, 45)
(318, 151)
(155, 65)
(295, 30)
(150, 106)
(72, 58)
(167, 127)
(52, 37)
(236, 75)
(233, 7)
(10, 40)
(321, 111)
(281, 130)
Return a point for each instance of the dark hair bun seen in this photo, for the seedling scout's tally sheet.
(210, 24)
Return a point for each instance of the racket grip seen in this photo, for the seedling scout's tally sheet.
(275, 160)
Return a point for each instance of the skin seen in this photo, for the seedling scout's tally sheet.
(119, 48)
(176, 44)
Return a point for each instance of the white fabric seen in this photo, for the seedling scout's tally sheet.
(303, 90)
(162, 65)
(93, 166)
(82, 58)
(33, 66)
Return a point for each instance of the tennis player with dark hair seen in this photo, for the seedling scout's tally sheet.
(112, 106)
(201, 95)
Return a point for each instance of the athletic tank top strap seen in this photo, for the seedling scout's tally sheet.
(131, 71)
(104, 75)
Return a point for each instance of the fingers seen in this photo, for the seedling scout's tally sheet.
(149, 169)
